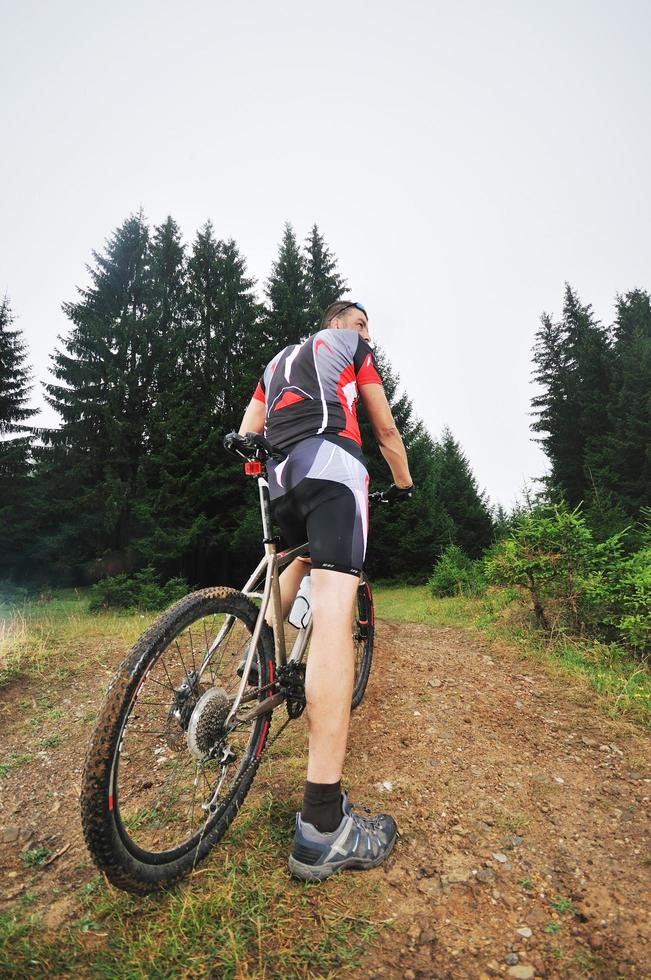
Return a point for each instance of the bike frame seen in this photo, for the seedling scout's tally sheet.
(267, 574)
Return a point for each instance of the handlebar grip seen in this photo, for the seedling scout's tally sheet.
(232, 440)
(393, 495)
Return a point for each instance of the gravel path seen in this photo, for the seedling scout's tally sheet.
(523, 812)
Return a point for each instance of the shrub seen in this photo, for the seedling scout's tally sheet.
(632, 613)
(12, 594)
(549, 554)
(574, 582)
(456, 574)
(142, 591)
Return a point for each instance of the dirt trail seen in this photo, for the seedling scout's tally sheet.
(520, 807)
(514, 796)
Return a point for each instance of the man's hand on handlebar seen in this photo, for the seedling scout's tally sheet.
(394, 495)
(252, 445)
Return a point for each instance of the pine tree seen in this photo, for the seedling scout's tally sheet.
(457, 492)
(15, 386)
(287, 296)
(170, 306)
(15, 446)
(404, 540)
(572, 368)
(196, 504)
(156, 507)
(105, 371)
(324, 284)
(626, 463)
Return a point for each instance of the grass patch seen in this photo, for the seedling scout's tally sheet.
(513, 823)
(13, 761)
(563, 905)
(553, 927)
(622, 681)
(53, 639)
(239, 915)
(35, 856)
(50, 742)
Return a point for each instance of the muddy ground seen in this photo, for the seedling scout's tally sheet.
(523, 811)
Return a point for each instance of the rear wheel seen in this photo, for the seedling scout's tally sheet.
(363, 635)
(163, 777)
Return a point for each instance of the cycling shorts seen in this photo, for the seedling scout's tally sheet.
(319, 494)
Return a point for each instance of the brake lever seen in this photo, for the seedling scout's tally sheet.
(377, 497)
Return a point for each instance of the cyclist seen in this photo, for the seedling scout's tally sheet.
(305, 403)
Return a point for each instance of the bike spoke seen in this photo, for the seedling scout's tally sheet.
(161, 785)
(194, 666)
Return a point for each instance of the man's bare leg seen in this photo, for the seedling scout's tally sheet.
(330, 673)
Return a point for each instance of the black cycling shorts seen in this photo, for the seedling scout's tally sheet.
(319, 494)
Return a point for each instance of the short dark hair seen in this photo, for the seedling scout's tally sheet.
(333, 311)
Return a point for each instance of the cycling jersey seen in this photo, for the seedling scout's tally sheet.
(311, 389)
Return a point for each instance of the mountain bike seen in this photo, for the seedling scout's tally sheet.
(188, 713)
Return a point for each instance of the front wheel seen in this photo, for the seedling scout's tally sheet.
(163, 776)
(363, 635)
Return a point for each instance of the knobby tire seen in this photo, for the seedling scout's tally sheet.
(111, 835)
(363, 638)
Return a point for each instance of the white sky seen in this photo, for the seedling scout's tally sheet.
(463, 160)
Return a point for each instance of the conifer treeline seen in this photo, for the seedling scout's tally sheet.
(165, 348)
(593, 412)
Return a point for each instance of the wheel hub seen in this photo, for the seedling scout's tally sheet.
(206, 726)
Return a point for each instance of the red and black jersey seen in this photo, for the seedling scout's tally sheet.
(311, 389)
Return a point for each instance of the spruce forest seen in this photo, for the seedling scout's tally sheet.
(164, 350)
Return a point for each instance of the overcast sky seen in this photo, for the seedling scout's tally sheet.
(462, 159)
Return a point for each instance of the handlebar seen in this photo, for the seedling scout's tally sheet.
(393, 495)
(253, 446)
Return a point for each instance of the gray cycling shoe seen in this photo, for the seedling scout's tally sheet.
(358, 842)
(386, 823)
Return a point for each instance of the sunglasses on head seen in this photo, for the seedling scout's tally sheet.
(350, 306)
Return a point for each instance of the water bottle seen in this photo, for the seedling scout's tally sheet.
(300, 613)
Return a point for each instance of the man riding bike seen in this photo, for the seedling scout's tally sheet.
(305, 403)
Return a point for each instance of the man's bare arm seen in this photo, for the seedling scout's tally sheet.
(385, 431)
(253, 420)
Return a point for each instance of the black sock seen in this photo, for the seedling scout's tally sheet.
(322, 806)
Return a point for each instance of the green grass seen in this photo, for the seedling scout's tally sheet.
(239, 915)
(563, 904)
(51, 640)
(35, 856)
(622, 681)
(50, 742)
(13, 761)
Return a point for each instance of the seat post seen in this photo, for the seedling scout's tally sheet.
(265, 509)
(270, 551)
